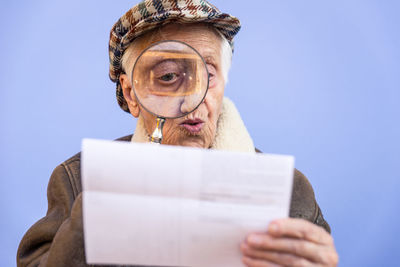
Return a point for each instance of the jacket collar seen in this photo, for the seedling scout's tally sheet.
(231, 134)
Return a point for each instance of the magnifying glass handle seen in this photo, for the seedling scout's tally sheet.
(157, 135)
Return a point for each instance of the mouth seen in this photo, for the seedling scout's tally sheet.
(193, 126)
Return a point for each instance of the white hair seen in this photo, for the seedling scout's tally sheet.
(226, 58)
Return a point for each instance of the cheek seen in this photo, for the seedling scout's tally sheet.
(171, 133)
(149, 121)
(214, 101)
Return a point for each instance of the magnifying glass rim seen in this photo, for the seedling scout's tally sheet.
(204, 62)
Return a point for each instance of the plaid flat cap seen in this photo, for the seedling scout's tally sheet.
(150, 14)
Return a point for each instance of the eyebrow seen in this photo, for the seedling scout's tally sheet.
(210, 58)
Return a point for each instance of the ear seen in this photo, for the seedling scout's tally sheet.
(129, 95)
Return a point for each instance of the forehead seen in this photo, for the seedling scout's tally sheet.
(201, 37)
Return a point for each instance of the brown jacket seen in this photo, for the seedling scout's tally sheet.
(57, 239)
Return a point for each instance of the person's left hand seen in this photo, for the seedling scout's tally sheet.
(290, 242)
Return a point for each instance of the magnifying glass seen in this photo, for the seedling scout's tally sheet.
(170, 80)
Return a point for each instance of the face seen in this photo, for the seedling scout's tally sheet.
(198, 128)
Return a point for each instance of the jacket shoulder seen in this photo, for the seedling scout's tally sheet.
(73, 168)
(303, 202)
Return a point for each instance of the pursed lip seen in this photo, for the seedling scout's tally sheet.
(193, 125)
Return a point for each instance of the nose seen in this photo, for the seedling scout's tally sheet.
(189, 103)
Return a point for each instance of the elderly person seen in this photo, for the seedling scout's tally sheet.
(57, 239)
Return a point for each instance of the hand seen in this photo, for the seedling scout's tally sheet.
(290, 242)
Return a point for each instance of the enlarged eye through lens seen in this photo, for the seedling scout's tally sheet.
(167, 71)
(168, 75)
(167, 78)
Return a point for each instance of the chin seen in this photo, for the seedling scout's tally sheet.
(192, 143)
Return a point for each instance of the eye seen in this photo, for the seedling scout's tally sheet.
(168, 77)
(211, 71)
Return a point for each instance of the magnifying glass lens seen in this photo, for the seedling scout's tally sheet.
(170, 79)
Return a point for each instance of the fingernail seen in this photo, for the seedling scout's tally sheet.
(273, 228)
(255, 239)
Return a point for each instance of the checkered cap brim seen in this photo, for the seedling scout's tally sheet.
(150, 14)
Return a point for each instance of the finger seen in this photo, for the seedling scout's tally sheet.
(299, 228)
(301, 248)
(284, 259)
(258, 263)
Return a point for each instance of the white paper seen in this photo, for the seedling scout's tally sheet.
(146, 204)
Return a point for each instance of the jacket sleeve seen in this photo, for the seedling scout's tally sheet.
(56, 239)
(303, 204)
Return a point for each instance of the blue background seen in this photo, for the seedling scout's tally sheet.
(316, 79)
